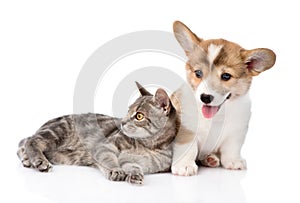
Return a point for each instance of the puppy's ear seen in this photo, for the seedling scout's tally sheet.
(258, 60)
(142, 90)
(186, 38)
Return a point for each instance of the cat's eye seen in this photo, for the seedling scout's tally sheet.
(225, 76)
(198, 73)
(139, 116)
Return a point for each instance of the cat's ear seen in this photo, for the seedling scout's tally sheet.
(162, 100)
(142, 90)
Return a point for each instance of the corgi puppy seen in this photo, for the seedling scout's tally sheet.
(214, 120)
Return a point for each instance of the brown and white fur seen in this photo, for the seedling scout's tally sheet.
(213, 128)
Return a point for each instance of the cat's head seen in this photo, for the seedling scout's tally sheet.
(150, 115)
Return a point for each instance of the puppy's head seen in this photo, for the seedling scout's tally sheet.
(219, 70)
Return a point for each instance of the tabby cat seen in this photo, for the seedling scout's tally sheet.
(123, 149)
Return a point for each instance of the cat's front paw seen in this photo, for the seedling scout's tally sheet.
(137, 178)
(234, 164)
(185, 169)
(117, 175)
(42, 165)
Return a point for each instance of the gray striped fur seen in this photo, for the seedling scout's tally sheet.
(123, 149)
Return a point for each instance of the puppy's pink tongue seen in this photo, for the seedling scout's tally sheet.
(209, 111)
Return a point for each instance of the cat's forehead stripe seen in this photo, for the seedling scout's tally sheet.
(143, 102)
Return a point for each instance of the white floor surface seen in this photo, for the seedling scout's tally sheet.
(71, 184)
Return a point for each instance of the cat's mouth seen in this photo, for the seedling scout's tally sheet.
(134, 131)
(128, 130)
(125, 129)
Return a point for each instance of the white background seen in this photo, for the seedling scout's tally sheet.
(44, 44)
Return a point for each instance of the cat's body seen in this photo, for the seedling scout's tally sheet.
(123, 149)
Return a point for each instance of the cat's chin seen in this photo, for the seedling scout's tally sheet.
(124, 130)
(133, 133)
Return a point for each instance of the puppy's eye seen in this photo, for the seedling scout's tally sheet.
(225, 76)
(198, 73)
(139, 116)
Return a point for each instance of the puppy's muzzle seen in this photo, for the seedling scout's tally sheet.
(206, 98)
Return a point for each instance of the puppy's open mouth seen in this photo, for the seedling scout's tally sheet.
(209, 111)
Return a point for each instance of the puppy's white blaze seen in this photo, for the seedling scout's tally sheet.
(212, 52)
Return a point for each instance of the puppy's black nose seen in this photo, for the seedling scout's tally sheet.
(206, 98)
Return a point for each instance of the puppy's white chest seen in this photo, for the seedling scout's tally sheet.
(231, 120)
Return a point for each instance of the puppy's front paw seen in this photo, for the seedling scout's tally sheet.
(185, 169)
(211, 160)
(234, 164)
